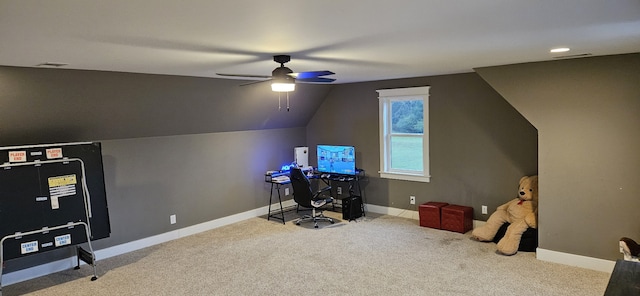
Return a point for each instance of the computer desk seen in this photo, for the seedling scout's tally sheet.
(327, 178)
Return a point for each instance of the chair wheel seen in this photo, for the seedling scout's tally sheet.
(332, 221)
(297, 223)
(315, 226)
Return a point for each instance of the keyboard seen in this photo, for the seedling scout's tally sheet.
(280, 179)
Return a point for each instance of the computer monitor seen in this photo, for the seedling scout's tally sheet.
(336, 159)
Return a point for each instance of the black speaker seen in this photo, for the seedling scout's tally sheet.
(352, 208)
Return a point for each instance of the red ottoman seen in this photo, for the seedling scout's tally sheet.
(457, 218)
(430, 214)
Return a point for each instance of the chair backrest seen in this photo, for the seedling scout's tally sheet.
(302, 193)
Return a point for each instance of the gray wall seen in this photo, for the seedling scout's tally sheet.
(198, 178)
(587, 112)
(480, 145)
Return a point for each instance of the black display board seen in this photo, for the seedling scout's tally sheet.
(45, 186)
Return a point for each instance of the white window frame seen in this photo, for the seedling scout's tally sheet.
(385, 97)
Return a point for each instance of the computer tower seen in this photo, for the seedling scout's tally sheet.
(352, 207)
(301, 156)
(340, 189)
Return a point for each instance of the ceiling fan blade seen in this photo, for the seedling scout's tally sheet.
(284, 74)
(311, 74)
(316, 79)
(243, 75)
(254, 82)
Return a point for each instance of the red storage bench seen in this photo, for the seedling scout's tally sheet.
(430, 214)
(457, 218)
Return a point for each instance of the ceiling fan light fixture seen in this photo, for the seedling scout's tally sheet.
(283, 84)
(283, 87)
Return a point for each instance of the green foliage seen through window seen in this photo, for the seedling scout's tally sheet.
(407, 117)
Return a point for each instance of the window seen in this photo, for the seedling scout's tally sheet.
(404, 133)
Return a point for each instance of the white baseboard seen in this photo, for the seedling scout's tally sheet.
(404, 213)
(65, 264)
(183, 232)
(575, 260)
(38, 271)
(60, 265)
(410, 214)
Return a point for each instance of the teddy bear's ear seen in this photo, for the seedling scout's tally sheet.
(522, 179)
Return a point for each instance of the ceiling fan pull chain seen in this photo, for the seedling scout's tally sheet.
(279, 106)
(287, 101)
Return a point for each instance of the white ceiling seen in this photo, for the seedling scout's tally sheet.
(360, 40)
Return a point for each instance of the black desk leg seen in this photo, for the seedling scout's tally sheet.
(280, 201)
(352, 190)
(270, 197)
(269, 215)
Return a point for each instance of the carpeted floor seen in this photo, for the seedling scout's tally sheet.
(376, 255)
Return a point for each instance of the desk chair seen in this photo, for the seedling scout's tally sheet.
(306, 197)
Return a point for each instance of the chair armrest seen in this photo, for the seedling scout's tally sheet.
(324, 189)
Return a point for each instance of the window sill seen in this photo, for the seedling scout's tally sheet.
(405, 177)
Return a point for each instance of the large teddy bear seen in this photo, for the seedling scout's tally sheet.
(520, 212)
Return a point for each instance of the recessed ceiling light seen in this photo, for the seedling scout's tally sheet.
(559, 49)
(578, 55)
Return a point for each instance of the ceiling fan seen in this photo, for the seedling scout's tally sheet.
(284, 79)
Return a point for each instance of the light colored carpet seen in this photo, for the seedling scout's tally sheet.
(376, 255)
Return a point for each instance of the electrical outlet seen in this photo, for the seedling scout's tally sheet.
(339, 190)
(484, 210)
(172, 219)
(412, 200)
(286, 191)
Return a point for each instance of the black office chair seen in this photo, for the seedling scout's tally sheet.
(306, 197)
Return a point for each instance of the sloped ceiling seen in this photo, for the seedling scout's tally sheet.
(360, 40)
(52, 105)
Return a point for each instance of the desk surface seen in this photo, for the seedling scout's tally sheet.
(282, 177)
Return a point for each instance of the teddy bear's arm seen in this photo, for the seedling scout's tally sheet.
(503, 207)
(531, 220)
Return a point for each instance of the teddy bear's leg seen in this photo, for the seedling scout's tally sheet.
(486, 232)
(509, 244)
